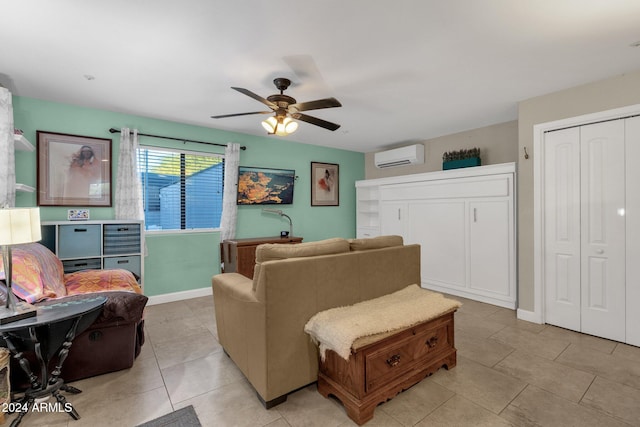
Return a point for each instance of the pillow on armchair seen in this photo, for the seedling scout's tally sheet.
(36, 274)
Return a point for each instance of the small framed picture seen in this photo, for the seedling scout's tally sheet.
(78, 214)
(325, 184)
(73, 170)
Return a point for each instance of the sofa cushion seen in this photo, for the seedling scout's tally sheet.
(275, 251)
(37, 273)
(278, 251)
(375, 243)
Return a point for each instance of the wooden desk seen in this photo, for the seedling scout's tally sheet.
(239, 255)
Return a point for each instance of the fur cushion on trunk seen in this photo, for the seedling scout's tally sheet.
(338, 328)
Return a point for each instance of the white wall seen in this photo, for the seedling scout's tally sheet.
(603, 95)
(498, 145)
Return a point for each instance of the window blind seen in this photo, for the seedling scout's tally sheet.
(182, 190)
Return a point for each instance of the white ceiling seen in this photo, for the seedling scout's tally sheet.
(404, 70)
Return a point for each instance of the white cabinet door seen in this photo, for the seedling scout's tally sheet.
(490, 248)
(603, 229)
(439, 226)
(472, 260)
(393, 219)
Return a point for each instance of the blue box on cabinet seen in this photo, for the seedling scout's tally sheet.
(462, 163)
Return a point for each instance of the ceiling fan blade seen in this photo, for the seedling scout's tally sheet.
(256, 97)
(315, 105)
(315, 121)
(241, 114)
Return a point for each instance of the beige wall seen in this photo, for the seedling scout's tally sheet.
(603, 95)
(497, 143)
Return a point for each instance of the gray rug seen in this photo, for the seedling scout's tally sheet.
(185, 417)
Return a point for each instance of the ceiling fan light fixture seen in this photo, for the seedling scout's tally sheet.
(286, 109)
(290, 125)
(270, 125)
(280, 126)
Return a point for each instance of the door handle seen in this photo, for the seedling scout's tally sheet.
(475, 214)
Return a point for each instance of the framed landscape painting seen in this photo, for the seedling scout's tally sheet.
(73, 170)
(325, 184)
(265, 186)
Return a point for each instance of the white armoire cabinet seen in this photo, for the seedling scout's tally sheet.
(465, 223)
(590, 219)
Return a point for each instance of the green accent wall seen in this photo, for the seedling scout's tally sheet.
(185, 261)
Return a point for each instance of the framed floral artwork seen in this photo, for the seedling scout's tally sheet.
(325, 184)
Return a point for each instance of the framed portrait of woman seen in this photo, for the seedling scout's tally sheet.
(325, 184)
(73, 170)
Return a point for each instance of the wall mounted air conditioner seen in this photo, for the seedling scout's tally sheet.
(409, 155)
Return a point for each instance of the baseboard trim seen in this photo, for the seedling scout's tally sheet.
(179, 296)
(529, 316)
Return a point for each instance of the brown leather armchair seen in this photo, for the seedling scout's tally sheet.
(113, 341)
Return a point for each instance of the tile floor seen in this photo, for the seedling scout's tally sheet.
(509, 372)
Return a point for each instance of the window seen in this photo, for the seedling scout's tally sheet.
(181, 190)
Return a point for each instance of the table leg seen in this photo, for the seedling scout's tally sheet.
(38, 351)
(62, 356)
(26, 403)
(23, 362)
(64, 351)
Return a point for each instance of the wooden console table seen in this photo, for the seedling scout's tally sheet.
(239, 255)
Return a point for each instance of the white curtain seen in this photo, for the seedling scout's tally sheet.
(229, 207)
(7, 151)
(128, 186)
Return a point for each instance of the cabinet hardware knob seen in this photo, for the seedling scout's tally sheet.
(393, 360)
(431, 342)
(600, 251)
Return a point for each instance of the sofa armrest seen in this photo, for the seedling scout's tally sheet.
(121, 306)
(241, 323)
(235, 286)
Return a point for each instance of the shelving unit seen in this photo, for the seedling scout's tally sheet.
(104, 244)
(23, 144)
(368, 210)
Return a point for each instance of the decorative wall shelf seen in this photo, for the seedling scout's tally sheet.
(25, 188)
(23, 144)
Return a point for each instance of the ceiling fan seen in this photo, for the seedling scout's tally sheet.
(286, 109)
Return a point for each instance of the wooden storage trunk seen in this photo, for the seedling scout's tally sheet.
(384, 365)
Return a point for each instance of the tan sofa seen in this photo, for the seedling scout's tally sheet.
(260, 322)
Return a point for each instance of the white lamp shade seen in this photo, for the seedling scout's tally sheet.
(290, 126)
(19, 225)
(270, 124)
(283, 127)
